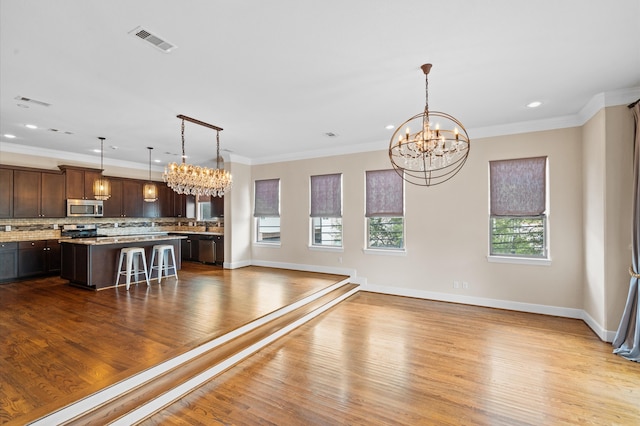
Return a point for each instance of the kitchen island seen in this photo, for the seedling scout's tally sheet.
(92, 263)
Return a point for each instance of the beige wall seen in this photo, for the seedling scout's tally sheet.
(593, 163)
(446, 226)
(618, 213)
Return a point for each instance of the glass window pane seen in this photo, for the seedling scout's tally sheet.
(326, 231)
(518, 236)
(385, 232)
(268, 229)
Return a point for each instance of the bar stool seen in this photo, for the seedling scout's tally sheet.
(132, 254)
(163, 250)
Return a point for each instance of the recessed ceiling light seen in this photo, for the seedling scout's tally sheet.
(534, 104)
(8, 136)
(30, 126)
(97, 151)
(157, 161)
(390, 127)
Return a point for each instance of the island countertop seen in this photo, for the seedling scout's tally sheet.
(122, 239)
(93, 262)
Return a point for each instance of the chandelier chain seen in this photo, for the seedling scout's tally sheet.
(182, 133)
(217, 149)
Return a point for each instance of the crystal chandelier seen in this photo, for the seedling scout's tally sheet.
(101, 186)
(150, 190)
(196, 180)
(433, 154)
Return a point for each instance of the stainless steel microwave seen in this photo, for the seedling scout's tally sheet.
(91, 208)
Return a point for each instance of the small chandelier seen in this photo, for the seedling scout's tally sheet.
(433, 154)
(101, 186)
(196, 180)
(150, 191)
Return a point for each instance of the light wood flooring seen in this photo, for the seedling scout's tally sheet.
(372, 359)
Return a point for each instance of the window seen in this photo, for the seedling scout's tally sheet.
(384, 209)
(518, 219)
(267, 210)
(326, 210)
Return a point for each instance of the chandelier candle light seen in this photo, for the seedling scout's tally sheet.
(433, 154)
(101, 186)
(196, 180)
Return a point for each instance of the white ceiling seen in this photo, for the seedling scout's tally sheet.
(278, 75)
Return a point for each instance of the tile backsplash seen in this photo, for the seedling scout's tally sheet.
(45, 229)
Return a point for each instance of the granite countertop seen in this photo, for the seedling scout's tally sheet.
(121, 239)
(196, 232)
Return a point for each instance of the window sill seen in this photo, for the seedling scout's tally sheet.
(270, 245)
(386, 252)
(519, 260)
(326, 248)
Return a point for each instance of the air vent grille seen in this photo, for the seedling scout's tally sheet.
(153, 39)
(31, 101)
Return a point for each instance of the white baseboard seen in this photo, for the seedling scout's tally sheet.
(558, 311)
(309, 268)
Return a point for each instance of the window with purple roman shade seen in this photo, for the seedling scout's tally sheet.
(518, 187)
(385, 197)
(326, 195)
(267, 198)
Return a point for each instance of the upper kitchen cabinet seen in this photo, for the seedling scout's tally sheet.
(217, 206)
(79, 182)
(38, 194)
(126, 199)
(6, 193)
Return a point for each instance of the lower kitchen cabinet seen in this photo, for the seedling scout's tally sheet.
(8, 261)
(38, 258)
(190, 250)
(219, 239)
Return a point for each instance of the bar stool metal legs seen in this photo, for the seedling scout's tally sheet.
(132, 256)
(163, 265)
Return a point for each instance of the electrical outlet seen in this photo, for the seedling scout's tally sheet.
(465, 285)
(115, 225)
(456, 284)
(55, 226)
(340, 259)
(7, 228)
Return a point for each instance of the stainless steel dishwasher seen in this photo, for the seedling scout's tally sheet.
(206, 250)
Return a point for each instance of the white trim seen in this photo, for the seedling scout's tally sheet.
(309, 268)
(385, 252)
(235, 265)
(174, 394)
(558, 311)
(269, 245)
(519, 260)
(98, 398)
(604, 335)
(335, 249)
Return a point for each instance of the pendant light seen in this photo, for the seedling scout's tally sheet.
(101, 186)
(150, 191)
(431, 155)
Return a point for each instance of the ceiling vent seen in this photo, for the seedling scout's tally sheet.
(153, 39)
(31, 101)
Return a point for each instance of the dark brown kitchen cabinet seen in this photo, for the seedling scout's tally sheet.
(8, 261)
(38, 194)
(38, 257)
(217, 206)
(219, 240)
(126, 199)
(165, 200)
(79, 182)
(113, 206)
(6, 193)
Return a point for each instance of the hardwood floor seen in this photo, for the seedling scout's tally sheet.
(376, 359)
(372, 359)
(60, 343)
